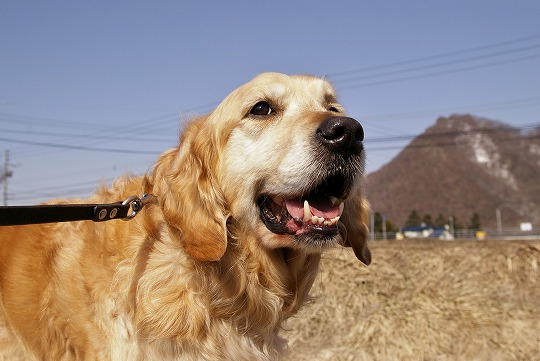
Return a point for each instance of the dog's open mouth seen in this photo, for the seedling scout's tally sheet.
(317, 212)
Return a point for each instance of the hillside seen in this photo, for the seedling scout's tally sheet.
(460, 166)
(423, 300)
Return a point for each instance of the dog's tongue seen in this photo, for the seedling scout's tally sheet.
(319, 206)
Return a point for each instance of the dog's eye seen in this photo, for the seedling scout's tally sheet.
(261, 108)
(333, 110)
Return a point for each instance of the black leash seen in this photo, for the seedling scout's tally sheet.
(52, 213)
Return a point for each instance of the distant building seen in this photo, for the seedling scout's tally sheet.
(442, 233)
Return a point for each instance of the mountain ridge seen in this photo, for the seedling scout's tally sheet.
(460, 166)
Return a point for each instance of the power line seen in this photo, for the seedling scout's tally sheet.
(509, 104)
(94, 139)
(440, 140)
(444, 55)
(150, 126)
(374, 121)
(393, 71)
(85, 136)
(80, 147)
(4, 177)
(60, 190)
(502, 128)
(439, 64)
(447, 135)
(442, 72)
(94, 136)
(17, 118)
(57, 187)
(441, 144)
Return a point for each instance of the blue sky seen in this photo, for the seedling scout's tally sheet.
(91, 90)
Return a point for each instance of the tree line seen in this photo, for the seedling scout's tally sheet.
(416, 220)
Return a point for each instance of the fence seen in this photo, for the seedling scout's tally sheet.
(471, 234)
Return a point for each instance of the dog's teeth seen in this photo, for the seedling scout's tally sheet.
(333, 200)
(307, 211)
(315, 220)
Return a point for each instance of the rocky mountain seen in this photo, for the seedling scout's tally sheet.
(460, 166)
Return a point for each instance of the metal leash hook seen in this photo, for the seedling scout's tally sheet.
(137, 204)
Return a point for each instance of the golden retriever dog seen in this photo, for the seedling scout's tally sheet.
(244, 206)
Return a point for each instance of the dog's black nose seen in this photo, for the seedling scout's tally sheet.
(341, 135)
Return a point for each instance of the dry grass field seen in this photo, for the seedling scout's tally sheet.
(424, 300)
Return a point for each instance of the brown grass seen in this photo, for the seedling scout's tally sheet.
(424, 300)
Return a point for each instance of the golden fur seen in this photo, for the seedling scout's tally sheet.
(197, 275)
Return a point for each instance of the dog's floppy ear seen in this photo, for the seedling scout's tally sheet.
(185, 183)
(354, 220)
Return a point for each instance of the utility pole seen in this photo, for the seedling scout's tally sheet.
(384, 227)
(5, 175)
(372, 225)
(499, 222)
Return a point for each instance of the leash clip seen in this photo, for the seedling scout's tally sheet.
(137, 204)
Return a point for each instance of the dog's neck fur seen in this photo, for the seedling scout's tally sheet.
(249, 292)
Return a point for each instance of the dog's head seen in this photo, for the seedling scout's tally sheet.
(279, 156)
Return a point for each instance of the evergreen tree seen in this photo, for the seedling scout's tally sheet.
(379, 222)
(474, 223)
(414, 219)
(440, 221)
(427, 220)
(457, 224)
(390, 226)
